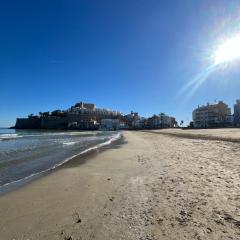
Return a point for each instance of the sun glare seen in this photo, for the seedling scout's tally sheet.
(228, 51)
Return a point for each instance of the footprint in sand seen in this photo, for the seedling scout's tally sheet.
(76, 218)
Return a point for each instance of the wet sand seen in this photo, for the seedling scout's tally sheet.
(154, 186)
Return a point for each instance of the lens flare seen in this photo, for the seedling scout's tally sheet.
(228, 51)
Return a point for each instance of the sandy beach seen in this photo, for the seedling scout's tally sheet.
(164, 184)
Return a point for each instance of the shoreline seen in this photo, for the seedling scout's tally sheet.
(81, 157)
(151, 187)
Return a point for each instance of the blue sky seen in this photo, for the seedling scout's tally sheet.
(124, 55)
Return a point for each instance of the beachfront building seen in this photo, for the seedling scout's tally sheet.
(140, 123)
(109, 124)
(167, 121)
(161, 121)
(212, 115)
(132, 119)
(154, 122)
(236, 114)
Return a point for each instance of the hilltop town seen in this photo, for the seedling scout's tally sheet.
(86, 116)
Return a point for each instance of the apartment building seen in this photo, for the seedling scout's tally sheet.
(212, 115)
(161, 121)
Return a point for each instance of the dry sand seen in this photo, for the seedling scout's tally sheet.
(154, 186)
(225, 134)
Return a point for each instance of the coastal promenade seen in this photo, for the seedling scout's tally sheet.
(155, 185)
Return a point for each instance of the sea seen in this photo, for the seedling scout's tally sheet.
(27, 154)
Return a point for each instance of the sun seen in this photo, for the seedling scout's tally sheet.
(228, 51)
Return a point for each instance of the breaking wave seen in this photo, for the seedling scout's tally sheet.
(9, 136)
(9, 182)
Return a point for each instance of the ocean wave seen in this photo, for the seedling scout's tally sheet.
(88, 138)
(98, 146)
(114, 138)
(59, 134)
(69, 143)
(9, 136)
